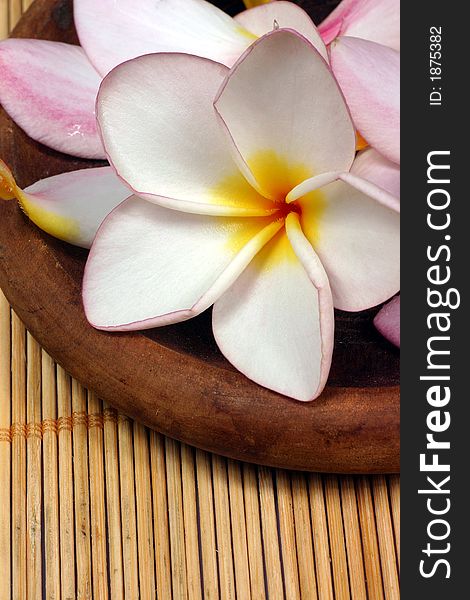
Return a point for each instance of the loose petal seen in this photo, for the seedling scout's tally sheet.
(387, 321)
(49, 90)
(275, 325)
(150, 266)
(369, 76)
(285, 114)
(162, 135)
(357, 240)
(70, 206)
(372, 166)
(374, 20)
(113, 31)
(282, 15)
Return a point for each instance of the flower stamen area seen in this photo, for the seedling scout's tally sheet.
(285, 209)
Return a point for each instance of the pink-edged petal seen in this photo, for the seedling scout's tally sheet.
(387, 321)
(371, 174)
(162, 135)
(285, 114)
(374, 20)
(70, 206)
(113, 31)
(374, 167)
(275, 324)
(281, 15)
(369, 76)
(49, 89)
(357, 238)
(151, 266)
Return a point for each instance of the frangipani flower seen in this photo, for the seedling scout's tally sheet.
(50, 88)
(246, 198)
(363, 38)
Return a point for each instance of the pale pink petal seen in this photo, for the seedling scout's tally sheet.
(151, 266)
(357, 239)
(113, 31)
(387, 321)
(275, 325)
(372, 166)
(285, 114)
(70, 206)
(370, 173)
(374, 20)
(49, 89)
(281, 15)
(369, 76)
(162, 135)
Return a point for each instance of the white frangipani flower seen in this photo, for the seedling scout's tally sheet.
(246, 198)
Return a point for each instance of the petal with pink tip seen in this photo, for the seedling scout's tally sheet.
(113, 31)
(369, 76)
(357, 239)
(49, 89)
(387, 321)
(151, 266)
(374, 20)
(282, 107)
(282, 15)
(372, 166)
(70, 206)
(161, 134)
(275, 324)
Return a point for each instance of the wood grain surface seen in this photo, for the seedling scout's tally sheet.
(174, 379)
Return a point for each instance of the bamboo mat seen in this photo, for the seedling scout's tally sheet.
(94, 505)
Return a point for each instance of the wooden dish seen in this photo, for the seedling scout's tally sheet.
(174, 379)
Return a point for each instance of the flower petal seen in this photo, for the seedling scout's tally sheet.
(285, 113)
(285, 15)
(369, 76)
(357, 239)
(275, 325)
(150, 266)
(162, 136)
(374, 20)
(387, 321)
(113, 31)
(372, 166)
(70, 206)
(49, 89)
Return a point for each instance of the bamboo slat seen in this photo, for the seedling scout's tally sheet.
(93, 505)
(5, 444)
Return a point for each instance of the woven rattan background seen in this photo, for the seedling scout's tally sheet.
(93, 505)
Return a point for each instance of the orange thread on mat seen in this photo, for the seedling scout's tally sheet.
(34, 430)
(66, 423)
(95, 420)
(49, 425)
(5, 435)
(79, 418)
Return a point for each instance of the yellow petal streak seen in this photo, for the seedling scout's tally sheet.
(276, 176)
(241, 231)
(253, 3)
(275, 253)
(250, 37)
(361, 142)
(235, 191)
(312, 210)
(61, 227)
